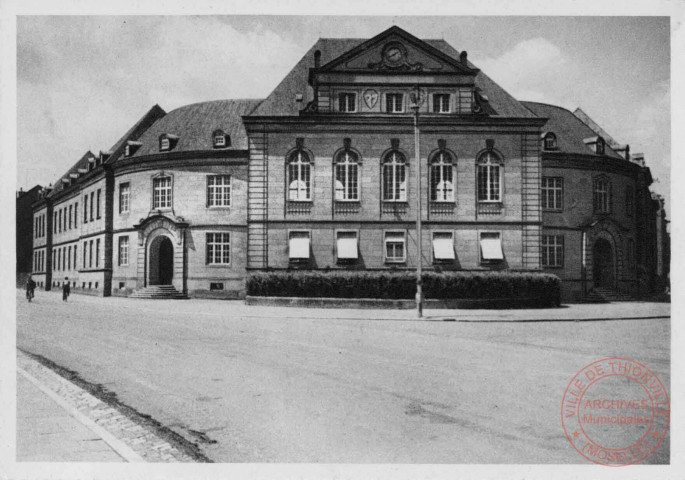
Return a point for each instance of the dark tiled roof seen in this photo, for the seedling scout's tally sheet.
(117, 150)
(569, 129)
(281, 102)
(58, 186)
(195, 123)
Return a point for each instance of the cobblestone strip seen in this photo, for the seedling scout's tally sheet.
(140, 439)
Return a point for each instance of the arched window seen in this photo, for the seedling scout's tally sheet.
(550, 141)
(602, 195)
(347, 177)
(394, 177)
(441, 175)
(489, 178)
(299, 177)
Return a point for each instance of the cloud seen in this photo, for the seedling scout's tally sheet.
(533, 70)
(83, 81)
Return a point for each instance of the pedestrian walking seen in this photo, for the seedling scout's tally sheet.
(65, 289)
(30, 288)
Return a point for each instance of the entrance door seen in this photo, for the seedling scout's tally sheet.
(166, 261)
(603, 264)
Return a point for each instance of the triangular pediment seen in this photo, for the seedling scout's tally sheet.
(395, 50)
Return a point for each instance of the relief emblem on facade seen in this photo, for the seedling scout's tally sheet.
(370, 98)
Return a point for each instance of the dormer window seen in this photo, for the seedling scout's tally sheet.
(549, 141)
(167, 142)
(221, 139)
(599, 146)
(131, 148)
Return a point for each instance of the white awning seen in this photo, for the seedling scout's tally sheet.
(491, 248)
(299, 245)
(443, 247)
(347, 245)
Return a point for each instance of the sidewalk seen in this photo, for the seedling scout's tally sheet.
(57, 421)
(237, 308)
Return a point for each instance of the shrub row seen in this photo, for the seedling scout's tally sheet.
(402, 285)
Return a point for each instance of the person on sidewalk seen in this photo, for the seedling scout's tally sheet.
(30, 288)
(65, 289)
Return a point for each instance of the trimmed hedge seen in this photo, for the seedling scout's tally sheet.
(402, 285)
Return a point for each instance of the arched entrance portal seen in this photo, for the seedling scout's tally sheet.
(161, 261)
(603, 264)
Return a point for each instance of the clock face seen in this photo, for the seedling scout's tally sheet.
(393, 54)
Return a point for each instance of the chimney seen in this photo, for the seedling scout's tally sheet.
(462, 58)
(638, 158)
(317, 59)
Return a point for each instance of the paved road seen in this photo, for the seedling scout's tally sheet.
(270, 389)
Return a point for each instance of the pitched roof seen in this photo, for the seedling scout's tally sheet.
(152, 115)
(569, 129)
(281, 101)
(585, 118)
(82, 162)
(195, 123)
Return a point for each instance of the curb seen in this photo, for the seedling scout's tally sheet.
(123, 450)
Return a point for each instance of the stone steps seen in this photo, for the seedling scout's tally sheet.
(161, 292)
(605, 295)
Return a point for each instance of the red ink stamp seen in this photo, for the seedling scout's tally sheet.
(615, 412)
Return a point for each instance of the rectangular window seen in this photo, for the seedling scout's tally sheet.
(394, 103)
(552, 193)
(54, 222)
(489, 184)
(298, 245)
(161, 192)
(218, 248)
(92, 208)
(75, 258)
(70, 213)
(347, 246)
(69, 258)
(219, 191)
(97, 252)
(124, 197)
(441, 103)
(491, 247)
(123, 251)
(76, 215)
(443, 246)
(553, 251)
(90, 254)
(216, 286)
(85, 208)
(395, 251)
(98, 204)
(347, 102)
(85, 247)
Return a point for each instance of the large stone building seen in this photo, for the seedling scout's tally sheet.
(322, 174)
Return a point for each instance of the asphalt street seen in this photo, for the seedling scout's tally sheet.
(262, 385)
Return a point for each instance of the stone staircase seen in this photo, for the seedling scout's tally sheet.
(162, 292)
(605, 295)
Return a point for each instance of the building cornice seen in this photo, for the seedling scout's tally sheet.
(598, 163)
(332, 120)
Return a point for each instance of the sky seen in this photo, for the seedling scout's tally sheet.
(82, 81)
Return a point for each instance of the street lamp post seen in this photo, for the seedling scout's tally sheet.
(417, 100)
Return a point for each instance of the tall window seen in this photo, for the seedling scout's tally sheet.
(394, 102)
(90, 254)
(219, 191)
(218, 248)
(70, 213)
(92, 206)
(69, 258)
(161, 192)
(299, 177)
(552, 193)
(123, 250)
(630, 201)
(347, 102)
(59, 228)
(394, 177)
(98, 204)
(489, 178)
(441, 177)
(97, 252)
(75, 257)
(347, 177)
(602, 191)
(441, 103)
(395, 251)
(124, 197)
(553, 251)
